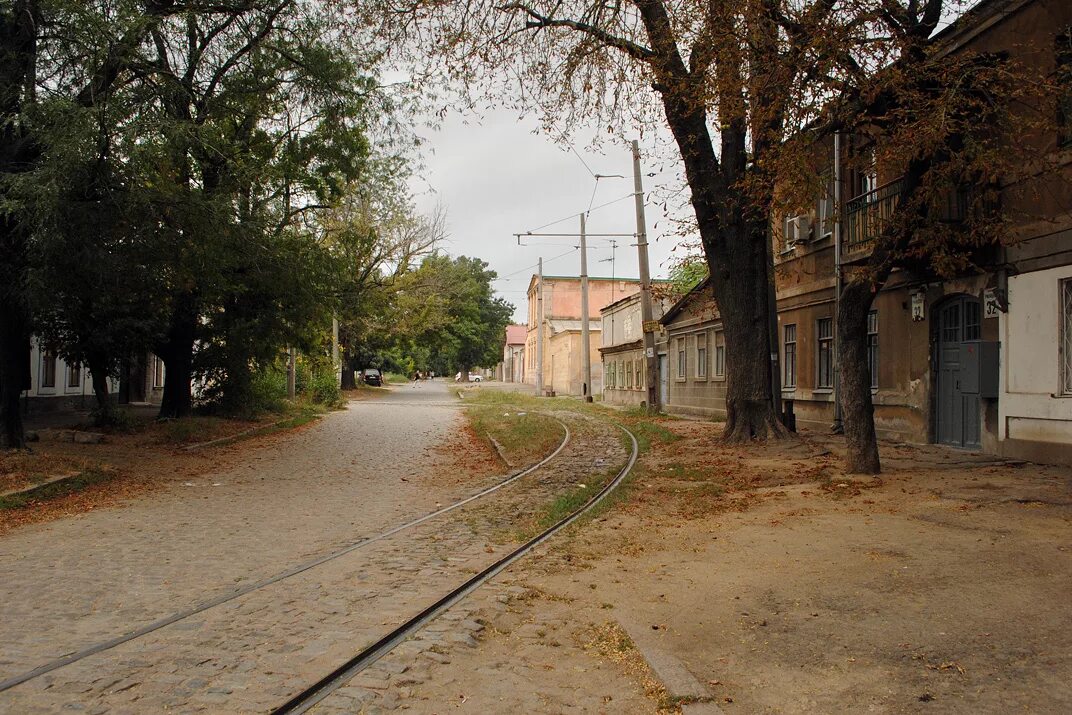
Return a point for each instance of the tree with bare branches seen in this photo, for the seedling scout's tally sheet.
(730, 79)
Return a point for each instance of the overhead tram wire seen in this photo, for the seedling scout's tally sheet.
(535, 265)
(576, 153)
(573, 216)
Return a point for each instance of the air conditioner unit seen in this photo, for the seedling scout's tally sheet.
(798, 230)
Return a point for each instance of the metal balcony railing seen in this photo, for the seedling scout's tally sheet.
(866, 214)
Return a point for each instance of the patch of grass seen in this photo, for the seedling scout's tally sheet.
(648, 432)
(524, 437)
(677, 470)
(187, 430)
(566, 504)
(642, 413)
(55, 490)
(206, 428)
(395, 377)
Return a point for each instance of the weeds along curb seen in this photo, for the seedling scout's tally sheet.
(235, 437)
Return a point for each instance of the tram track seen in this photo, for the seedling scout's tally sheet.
(171, 619)
(308, 698)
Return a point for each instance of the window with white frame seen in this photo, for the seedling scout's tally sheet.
(638, 367)
(158, 370)
(720, 354)
(824, 346)
(74, 375)
(701, 356)
(1066, 336)
(628, 368)
(682, 361)
(48, 370)
(872, 347)
(789, 361)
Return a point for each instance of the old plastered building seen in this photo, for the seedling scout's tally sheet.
(622, 351)
(979, 362)
(512, 367)
(563, 352)
(59, 386)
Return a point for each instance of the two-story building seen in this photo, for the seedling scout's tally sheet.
(563, 351)
(622, 350)
(981, 361)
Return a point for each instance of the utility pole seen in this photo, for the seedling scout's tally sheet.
(586, 346)
(539, 332)
(335, 350)
(651, 370)
(838, 427)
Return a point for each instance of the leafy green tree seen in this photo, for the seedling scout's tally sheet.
(54, 55)
(466, 320)
(262, 114)
(93, 297)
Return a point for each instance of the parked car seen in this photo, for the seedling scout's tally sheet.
(473, 377)
(373, 376)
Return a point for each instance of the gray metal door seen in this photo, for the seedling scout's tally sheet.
(664, 380)
(957, 411)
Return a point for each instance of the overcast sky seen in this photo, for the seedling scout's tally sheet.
(496, 177)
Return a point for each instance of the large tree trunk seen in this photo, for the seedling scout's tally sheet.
(14, 373)
(348, 368)
(100, 390)
(734, 241)
(177, 352)
(861, 455)
(740, 282)
(15, 331)
(732, 228)
(19, 26)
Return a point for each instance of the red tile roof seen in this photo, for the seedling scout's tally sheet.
(516, 334)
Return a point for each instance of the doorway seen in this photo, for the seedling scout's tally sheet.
(957, 419)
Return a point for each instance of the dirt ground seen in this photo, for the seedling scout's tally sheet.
(765, 581)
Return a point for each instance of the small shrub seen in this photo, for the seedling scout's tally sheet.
(269, 390)
(324, 387)
(113, 419)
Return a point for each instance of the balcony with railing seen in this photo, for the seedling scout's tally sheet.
(867, 214)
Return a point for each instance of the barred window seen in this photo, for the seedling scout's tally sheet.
(824, 345)
(790, 359)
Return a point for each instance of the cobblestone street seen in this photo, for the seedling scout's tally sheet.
(78, 582)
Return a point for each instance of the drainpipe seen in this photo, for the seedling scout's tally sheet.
(838, 427)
